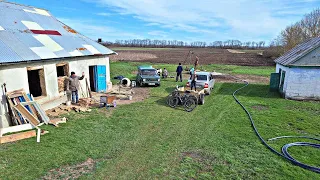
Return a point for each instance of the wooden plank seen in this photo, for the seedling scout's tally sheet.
(17, 137)
(43, 115)
(13, 112)
(61, 64)
(14, 129)
(33, 110)
(30, 68)
(25, 113)
(88, 87)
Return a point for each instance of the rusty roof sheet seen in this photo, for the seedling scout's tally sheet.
(298, 52)
(28, 34)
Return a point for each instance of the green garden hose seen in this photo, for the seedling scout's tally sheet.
(285, 154)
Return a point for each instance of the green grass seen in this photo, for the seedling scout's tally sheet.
(149, 140)
(128, 69)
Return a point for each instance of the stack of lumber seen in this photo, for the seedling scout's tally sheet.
(24, 109)
(26, 114)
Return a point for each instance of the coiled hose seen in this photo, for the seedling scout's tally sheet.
(285, 154)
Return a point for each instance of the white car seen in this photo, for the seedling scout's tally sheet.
(204, 80)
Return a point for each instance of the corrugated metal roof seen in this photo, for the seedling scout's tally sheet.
(298, 52)
(18, 43)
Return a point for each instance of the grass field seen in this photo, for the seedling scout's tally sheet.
(149, 140)
(127, 69)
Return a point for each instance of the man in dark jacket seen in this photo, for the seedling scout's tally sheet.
(73, 86)
(179, 72)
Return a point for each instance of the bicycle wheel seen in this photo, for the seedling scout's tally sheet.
(190, 104)
(173, 101)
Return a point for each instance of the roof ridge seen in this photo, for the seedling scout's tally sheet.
(299, 51)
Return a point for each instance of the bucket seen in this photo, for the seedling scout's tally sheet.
(130, 97)
(68, 103)
(133, 84)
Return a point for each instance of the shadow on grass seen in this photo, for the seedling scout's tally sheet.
(253, 90)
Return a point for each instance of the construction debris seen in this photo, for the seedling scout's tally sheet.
(57, 121)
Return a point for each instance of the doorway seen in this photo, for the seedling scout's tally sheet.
(92, 78)
(36, 82)
(98, 78)
(282, 78)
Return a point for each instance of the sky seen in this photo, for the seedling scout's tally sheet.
(186, 20)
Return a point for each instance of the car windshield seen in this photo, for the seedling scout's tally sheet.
(201, 77)
(149, 72)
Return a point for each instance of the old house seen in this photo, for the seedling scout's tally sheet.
(299, 71)
(37, 51)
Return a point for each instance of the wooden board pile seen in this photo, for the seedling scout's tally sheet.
(25, 114)
(63, 109)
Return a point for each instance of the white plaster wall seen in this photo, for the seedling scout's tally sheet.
(303, 83)
(16, 77)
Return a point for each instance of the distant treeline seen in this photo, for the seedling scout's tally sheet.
(229, 44)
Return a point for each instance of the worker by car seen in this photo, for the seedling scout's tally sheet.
(204, 80)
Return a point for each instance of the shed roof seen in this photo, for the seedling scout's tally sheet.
(298, 52)
(30, 34)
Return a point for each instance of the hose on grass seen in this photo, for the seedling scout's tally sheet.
(285, 154)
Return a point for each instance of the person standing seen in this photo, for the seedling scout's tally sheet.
(193, 80)
(179, 72)
(73, 86)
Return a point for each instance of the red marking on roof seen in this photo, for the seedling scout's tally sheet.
(48, 32)
(81, 49)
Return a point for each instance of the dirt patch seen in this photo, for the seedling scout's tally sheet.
(260, 107)
(207, 56)
(133, 56)
(71, 172)
(139, 94)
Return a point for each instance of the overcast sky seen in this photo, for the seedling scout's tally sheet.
(187, 20)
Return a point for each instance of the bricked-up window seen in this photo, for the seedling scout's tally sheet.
(62, 74)
(36, 80)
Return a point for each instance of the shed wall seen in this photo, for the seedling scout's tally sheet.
(15, 76)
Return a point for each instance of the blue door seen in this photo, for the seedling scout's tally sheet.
(100, 73)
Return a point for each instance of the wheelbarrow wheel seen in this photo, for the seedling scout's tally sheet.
(190, 104)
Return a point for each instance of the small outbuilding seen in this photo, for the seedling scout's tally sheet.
(37, 52)
(298, 72)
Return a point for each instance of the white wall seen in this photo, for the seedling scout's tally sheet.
(301, 82)
(16, 77)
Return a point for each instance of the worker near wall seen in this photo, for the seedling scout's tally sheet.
(73, 86)
(193, 80)
(179, 72)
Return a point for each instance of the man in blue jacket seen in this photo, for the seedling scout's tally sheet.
(179, 72)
